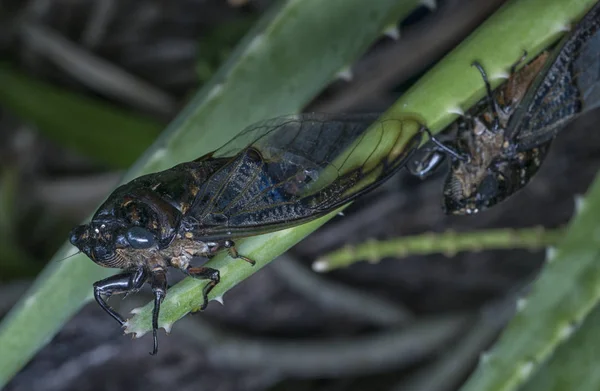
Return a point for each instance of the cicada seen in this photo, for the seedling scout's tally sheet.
(501, 143)
(274, 175)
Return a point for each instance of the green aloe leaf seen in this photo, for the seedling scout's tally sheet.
(97, 129)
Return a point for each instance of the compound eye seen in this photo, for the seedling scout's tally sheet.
(140, 238)
(76, 234)
(489, 187)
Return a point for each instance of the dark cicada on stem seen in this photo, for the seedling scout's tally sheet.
(274, 175)
(502, 141)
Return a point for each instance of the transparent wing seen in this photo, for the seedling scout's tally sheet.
(292, 169)
(567, 87)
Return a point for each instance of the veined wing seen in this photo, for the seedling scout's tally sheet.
(292, 169)
(567, 87)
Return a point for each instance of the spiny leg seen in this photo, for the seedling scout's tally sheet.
(158, 281)
(489, 95)
(205, 273)
(126, 283)
(213, 274)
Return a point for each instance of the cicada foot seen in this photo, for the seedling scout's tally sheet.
(205, 273)
(158, 282)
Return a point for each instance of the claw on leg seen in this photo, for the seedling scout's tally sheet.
(159, 288)
(205, 273)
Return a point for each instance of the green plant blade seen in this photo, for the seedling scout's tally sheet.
(574, 365)
(97, 129)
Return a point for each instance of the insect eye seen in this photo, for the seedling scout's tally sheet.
(75, 235)
(140, 238)
(488, 187)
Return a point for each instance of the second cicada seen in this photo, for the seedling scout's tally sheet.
(501, 142)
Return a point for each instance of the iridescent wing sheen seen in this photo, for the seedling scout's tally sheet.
(568, 86)
(292, 169)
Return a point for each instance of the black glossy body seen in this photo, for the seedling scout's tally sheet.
(275, 174)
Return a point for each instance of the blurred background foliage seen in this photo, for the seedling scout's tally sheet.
(86, 86)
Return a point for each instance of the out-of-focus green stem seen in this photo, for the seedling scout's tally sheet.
(448, 243)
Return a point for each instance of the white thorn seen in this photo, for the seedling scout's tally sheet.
(550, 254)
(484, 358)
(137, 310)
(563, 27)
(341, 214)
(501, 75)
(431, 4)
(159, 154)
(456, 110)
(320, 266)
(566, 331)
(393, 32)
(579, 203)
(29, 301)
(219, 299)
(345, 74)
(168, 327)
(256, 43)
(526, 370)
(214, 92)
(139, 334)
(521, 304)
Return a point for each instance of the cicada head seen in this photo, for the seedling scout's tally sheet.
(133, 218)
(469, 194)
(472, 197)
(99, 240)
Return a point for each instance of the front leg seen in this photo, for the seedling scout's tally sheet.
(126, 283)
